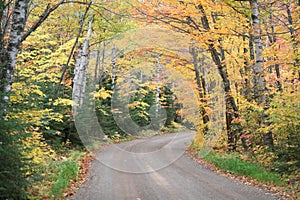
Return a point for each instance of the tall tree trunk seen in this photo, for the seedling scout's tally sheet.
(96, 67)
(295, 43)
(259, 82)
(233, 126)
(201, 88)
(273, 40)
(157, 86)
(245, 72)
(80, 71)
(66, 66)
(113, 66)
(13, 29)
(9, 55)
(101, 74)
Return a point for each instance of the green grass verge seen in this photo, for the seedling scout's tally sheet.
(64, 172)
(233, 164)
(55, 178)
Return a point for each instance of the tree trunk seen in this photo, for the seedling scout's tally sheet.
(201, 88)
(246, 89)
(259, 82)
(113, 66)
(233, 126)
(101, 74)
(295, 43)
(13, 29)
(66, 66)
(96, 67)
(9, 55)
(273, 40)
(80, 72)
(157, 86)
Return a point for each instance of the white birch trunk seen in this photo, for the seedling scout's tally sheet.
(157, 87)
(97, 67)
(114, 66)
(16, 30)
(101, 74)
(259, 81)
(80, 72)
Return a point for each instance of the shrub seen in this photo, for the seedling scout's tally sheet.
(13, 167)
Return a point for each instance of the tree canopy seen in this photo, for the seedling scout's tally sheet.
(82, 72)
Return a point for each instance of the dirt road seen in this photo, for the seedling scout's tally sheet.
(156, 168)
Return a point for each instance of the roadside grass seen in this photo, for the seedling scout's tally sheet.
(240, 168)
(64, 172)
(57, 176)
(235, 165)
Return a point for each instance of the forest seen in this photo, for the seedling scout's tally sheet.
(77, 75)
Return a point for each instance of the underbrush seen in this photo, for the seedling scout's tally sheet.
(57, 176)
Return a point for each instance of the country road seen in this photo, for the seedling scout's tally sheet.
(157, 168)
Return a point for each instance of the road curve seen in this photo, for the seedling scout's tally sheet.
(156, 168)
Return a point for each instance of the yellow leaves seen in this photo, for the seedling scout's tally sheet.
(284, 115)
(199, 138)
(21, 92)
(63, 102)
(37, 116)
(244, 104)
(138, 104)
(263, 156)
(38, 92)
(28, 116)
(36, 148)
(58, 117)
(102, 94)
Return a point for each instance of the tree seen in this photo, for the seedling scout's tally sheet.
(259, 82)
(11, 37)
(80, 72)
(9, 51)
(201, 88)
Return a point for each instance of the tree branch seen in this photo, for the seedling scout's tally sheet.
(42, 18)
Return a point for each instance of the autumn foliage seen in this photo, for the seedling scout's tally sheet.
(244, 52)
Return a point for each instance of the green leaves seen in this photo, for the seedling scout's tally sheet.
(13, 168)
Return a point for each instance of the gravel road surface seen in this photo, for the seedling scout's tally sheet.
(157, 168)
